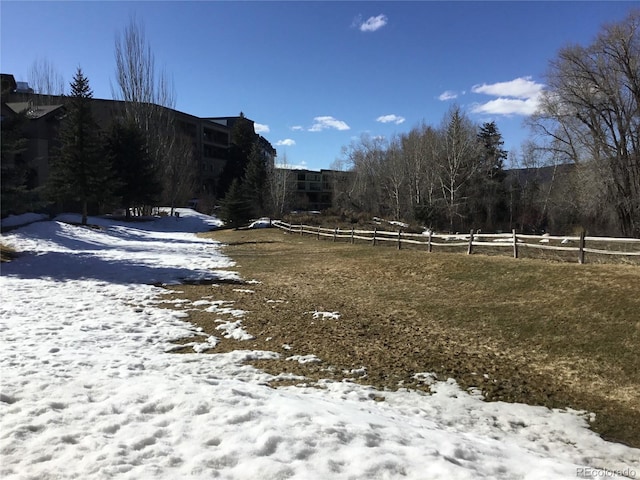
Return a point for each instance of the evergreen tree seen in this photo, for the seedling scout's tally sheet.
(15, 170)
(255, 181)
(137, 182)
(236, 207)
(243, 140)
(493, 156)
(81, 172)
(488, 192)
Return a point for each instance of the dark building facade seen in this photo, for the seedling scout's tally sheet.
(210, 137)
(314, 189)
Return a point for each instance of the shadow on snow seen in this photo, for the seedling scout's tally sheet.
(116, 254)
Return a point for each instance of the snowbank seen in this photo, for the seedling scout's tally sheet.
(261, 223)
(18, 220)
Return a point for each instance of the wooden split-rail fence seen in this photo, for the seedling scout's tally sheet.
(514, 242)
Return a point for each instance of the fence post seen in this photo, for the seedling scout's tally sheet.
(515, 244)
(335, 233)
(352, 235)
(470, 249)
(581, 248)
(399, 237)
(429, 243)
(375, 229)
(301, 229)
(318, 232)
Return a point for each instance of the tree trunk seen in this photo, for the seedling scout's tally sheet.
(85, 212)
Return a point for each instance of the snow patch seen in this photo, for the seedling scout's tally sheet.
(234, 330)
(304, 359)
(325, 315)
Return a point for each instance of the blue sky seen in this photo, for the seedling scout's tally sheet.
(314, 76)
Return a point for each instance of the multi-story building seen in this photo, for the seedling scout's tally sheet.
(314, 190)
(210, 137)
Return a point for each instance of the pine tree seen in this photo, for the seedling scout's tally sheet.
(255, 181)
(14, 170)
(488, 190)
(243, 139)
(493, 156)
(137, 179)
(236, 207)
(81, 171)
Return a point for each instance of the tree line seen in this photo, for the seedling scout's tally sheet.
(446, 177)
(581, 172)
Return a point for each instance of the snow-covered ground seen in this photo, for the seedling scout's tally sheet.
(89, 389)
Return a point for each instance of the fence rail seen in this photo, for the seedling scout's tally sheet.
(512, 241)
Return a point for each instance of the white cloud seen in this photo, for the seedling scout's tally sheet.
(371, 24)
(508, 106)
(392, 118)
(297, 128)
(520, 96)
(522, 87)
(287, 142)
(323, 123)
(259, 128)
(447, 95)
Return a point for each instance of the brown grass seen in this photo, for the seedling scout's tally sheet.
(539, 332)
(6, 253)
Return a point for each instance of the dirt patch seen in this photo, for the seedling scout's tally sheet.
(527, 331)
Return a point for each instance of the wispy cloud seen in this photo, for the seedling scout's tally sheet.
(260, 128)
(287, 142)
(520, 96)
(447, 95)
(392, 118)
(327, 122)
(297, 128)
(371, 24)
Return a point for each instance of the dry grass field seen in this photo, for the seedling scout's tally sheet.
(533, 331)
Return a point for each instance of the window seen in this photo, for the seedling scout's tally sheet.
(212, 151)
(215, 136)
(188, 129)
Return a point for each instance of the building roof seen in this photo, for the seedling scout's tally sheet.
(34, 111)
(8, 83)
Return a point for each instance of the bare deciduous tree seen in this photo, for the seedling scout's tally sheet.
(138, 82)
(365, 159)
(395, 179)
(457, 159)
(45, 80)
(178, 171)
(591, 113)
(281, 186)
(419, 149)
(149, 98)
